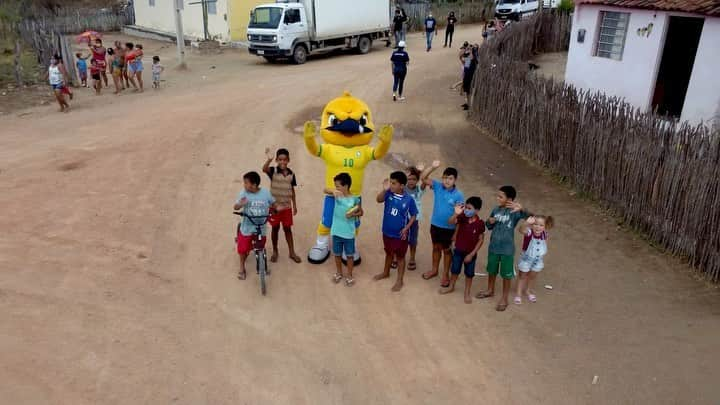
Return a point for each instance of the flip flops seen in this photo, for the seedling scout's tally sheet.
(428, 276)
(242, 275)
(532, 298)
(295, 258)
(517, 300)
(501, 307)
(412, 266)
(349, 282)
(484, 294)
(337, 278)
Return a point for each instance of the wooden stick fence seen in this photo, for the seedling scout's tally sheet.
(660, 176)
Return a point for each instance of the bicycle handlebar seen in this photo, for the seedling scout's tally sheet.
(252, 218)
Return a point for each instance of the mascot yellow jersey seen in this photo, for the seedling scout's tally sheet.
(347, 129)
(342, 159)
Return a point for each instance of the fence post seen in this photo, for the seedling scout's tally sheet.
(18, 65)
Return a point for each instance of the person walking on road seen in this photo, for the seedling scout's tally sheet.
(450, 29)
(399, 61)
(430, 30)
(399, 25)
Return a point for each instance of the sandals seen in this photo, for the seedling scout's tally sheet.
(484, 294)
(412, 266)
(501, 307)
(295, 258)
(393, 265)
(532, 298)
(428, 276)
(349, 282)
(517, 300)
(242, 275)
(337, 278)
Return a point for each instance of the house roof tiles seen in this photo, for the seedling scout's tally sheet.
(705, 7)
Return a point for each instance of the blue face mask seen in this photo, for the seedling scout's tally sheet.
(469, 213)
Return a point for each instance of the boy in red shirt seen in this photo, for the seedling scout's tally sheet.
(469, 237)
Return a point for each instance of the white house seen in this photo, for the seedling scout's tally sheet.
(659, 55)
(227, 19)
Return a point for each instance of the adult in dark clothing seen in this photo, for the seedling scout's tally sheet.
(450, 28)
(398, 25)
(399, 61)
(430, 30)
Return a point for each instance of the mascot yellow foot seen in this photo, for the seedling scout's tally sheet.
(347, 129)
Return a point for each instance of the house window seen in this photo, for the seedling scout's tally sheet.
(212, 6)
(613, 30)
(151, 3)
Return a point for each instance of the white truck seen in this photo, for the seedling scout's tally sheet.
(519, 9)
(295, 29)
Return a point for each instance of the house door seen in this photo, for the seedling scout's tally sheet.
(676, 65)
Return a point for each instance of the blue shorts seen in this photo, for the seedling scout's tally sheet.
(57, 86)
(340, 245)
(458, 261)
(327, 213)
(413, 234)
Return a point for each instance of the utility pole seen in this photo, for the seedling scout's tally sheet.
(178, 6)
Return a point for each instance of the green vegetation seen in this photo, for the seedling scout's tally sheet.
(28, 62)
(566, 6)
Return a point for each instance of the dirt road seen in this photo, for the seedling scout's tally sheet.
(118, 270)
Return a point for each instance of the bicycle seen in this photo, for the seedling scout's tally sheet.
(258, 246)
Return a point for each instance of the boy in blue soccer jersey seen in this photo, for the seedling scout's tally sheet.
(398, 217)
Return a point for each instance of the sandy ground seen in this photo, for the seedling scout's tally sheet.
(551, 65)
(118, 267)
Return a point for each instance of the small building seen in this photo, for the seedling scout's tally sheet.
(227, 19)
(661, 55)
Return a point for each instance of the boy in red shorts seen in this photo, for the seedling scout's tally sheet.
(282, 187)
(254, 201)
(398, 217)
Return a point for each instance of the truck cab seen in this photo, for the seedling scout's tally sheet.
(275, 29)
(515, 9)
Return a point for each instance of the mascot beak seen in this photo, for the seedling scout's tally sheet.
(349, 126)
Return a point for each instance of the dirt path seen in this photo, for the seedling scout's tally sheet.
(119, 280)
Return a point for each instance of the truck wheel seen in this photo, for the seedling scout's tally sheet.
(364, 45)
(299, 54)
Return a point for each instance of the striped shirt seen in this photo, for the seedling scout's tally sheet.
(281, 186)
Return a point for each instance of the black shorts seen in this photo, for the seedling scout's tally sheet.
(96, 76)
(467, 79)
(441, 236)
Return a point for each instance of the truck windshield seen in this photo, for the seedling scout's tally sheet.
(265, 17)
(509, 2)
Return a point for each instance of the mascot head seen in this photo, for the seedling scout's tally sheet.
(347, 121)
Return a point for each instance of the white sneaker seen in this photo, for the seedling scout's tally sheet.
(402, 98)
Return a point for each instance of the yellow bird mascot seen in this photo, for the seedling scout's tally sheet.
(347, 129)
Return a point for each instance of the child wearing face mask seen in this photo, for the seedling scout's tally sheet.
(469, 237)
(534, 249)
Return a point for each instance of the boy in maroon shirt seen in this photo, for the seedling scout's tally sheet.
(469, 237)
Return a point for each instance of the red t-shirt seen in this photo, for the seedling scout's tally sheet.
(468, 234)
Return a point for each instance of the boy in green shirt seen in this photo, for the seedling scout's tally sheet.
(501, 251)
(345, 216)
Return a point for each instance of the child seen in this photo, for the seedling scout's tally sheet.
(138, 66)
(98, 55)
(82, 68)
(282, 187)
(130, 57)
(56, 76)
(256, 201)
(469, 237)
(533, 250)
(345, 214)
(120, 55)
(398, 218)
(95, 74)
(157, 68)
(416, 191)
(503, 220)
(446, 197)
(115, 70)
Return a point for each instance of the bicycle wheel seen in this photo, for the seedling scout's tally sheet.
(262, 271)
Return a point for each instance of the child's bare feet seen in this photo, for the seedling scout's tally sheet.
(273, 257)
(468, 299)
(242, 275)
(446, 290)
(397, 287)
(381, 276)
(484, 294)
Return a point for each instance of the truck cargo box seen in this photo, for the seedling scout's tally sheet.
(338, 18)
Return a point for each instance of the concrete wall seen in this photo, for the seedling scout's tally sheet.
(702, 101)
(239, 17)
(161, 17)
(633, 77)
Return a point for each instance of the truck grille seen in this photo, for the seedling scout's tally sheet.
(504, 10)
(261, 38)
